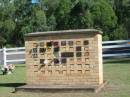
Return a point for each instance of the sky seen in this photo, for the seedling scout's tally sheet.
(35, 1)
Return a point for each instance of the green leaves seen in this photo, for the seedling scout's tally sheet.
(9, 25)
(40, 17)
(120, 33)
(18, 17)
(104, 15)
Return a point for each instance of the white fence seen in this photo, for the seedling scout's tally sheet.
(116, 49)
(111, 49)
(12, 55)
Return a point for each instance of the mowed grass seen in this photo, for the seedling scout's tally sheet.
(116, 74)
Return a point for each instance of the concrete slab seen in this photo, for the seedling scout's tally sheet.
(60, 88)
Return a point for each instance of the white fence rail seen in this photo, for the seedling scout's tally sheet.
(12, 55)
(116, 49)
(111, 49)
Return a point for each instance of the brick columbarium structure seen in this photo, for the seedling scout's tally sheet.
(68, 59)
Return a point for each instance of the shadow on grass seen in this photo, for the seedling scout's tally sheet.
(19, 66)
(121, 61)
(11, 84)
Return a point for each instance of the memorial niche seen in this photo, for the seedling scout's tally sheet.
(67, 54)
(42, 61)
(63, 60)
(41, 44)
(78, 54)
(56, 61)
(42, 50)
(56, 44)
(34, 50)
(49, 44)
(70, 43)
(63, 43)
(86, 42)
(78, 48)
(56, 53)
(56, 49)
(72, 59)
(34, 53)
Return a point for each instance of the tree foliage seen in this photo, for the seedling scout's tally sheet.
(18, 17)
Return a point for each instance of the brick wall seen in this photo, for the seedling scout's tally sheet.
(71, 59)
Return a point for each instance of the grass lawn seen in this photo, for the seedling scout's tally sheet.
(117, 75)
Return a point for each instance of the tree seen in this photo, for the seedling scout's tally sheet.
(80, 15)
(103, 16)
(62, 14)
(29, 18)
(122, 10)
(120, 33)
(51, 22)
(7, 24)
(18, 17)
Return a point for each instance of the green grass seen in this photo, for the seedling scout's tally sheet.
(117, 75)
(8, 82)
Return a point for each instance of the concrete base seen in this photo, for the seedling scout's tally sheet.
(59, 88)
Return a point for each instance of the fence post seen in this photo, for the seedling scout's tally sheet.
(4, 56)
